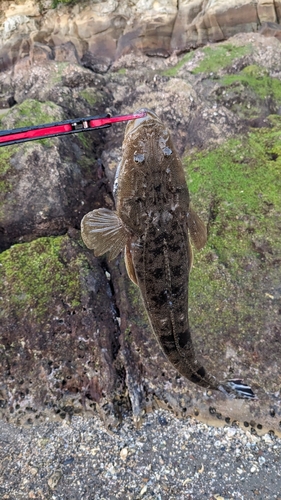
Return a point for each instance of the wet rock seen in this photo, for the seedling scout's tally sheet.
(40, 53)
(271, 29)
(96, 64)
(74, 336)
(58, 357)
(43, 183)
(195, 24)
(101, 32)
(66, 52)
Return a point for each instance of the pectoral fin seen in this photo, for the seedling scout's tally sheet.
(197, 229)
(103, 231)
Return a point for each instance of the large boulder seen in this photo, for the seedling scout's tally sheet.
(45, 184)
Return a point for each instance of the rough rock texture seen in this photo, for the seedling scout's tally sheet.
(203, 21)
(72, 354)
(73, 334)
(97, 33)
(64, 171)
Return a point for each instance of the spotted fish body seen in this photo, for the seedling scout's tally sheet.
(153, 222)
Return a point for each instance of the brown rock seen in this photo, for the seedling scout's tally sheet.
(186, 18)
(266, 10)
(11, 53)
(143, 35)
(29, 8)
(271, 29)
(40, 53)
(96, 64)
(213, 22)
(66, 52)
(108, 30)
(88, 27)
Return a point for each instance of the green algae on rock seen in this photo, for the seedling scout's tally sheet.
(212, 60)
(234, 286)
(6, 154)
(221, 57)
(55, 3)
(53, 331)
(251, 93)
(43, 183)
(91, 96)
(33, 274)
(31, 112)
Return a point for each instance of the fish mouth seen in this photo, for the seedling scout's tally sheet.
(150, 117)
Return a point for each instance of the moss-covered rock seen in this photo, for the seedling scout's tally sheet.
(43, 183)
(35, 274)
(56, 343)
(210, 60)
(91, 96)
(234, 286)
(251, 93)
(55, 3)
(31, 112)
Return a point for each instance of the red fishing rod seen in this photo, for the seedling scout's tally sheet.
(57, 129)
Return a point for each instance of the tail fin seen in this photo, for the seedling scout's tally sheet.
(236, 388)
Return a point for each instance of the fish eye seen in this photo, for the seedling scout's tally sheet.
(139, 158)
(167, 151)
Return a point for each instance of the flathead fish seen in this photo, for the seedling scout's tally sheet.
(154, 223)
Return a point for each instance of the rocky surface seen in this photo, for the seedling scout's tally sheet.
(98, 33)
(74, 337)
(167, 459)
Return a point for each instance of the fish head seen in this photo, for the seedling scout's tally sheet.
(146, 142)
(150, 174)
(149, 119)
(147, 138)
(146, 129)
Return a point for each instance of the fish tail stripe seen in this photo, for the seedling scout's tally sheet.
(242, 387)
(241, 390)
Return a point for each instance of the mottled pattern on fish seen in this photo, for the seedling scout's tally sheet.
(154, 219)
(160, 263)
(161, 254)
